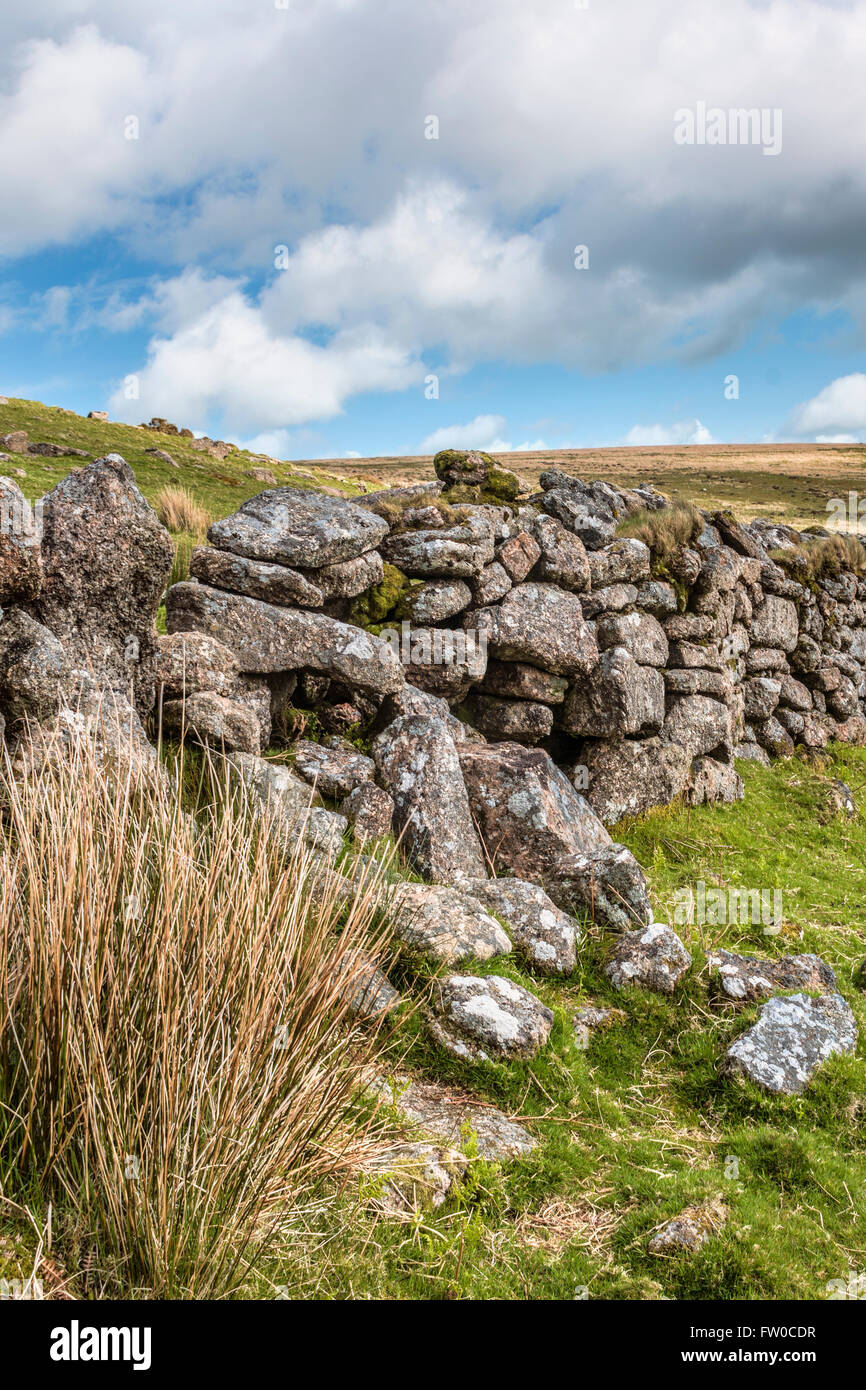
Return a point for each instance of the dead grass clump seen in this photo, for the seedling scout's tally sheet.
(180, 1069)
(180, 513)
(665, 531)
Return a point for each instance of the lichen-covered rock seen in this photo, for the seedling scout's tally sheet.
(333, 767)
(370, 812)
(542, 625)
(294, 805)
(563, 558)
(348, 578)
(458, 552)
(214, 719)
(407, 1178)
(699, 724)
(751, 753)
(491, 584)
(298, 527)
(105, 559)
(435, 601)
(527, 811)
(595, 525)
(368, 990)
(791, 1039)
(472, 472)
(653, 958)
(606, 883)
(545, 935)
(690, 1230)
(617, 698)
(746, 978)
(446, 924)
(761, 697)
(613, 598)
(20, 556)
(479, 1019)
(517, 555)
(657, 597)
(628, 776)
(625, 561)
(589, 1019)
(99, 719)
(259, 579)
(773, 736)
(774, 624)
(186, 662)
(521, 721)
(448, 1117)
(516, 681)
(641, 634)
(711, 780)
(35, 670)
(417, 761)
(266, 639)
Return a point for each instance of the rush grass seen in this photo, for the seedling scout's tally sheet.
(180, 1078)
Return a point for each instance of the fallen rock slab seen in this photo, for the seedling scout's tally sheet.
(545, 935)
(447, 1116)
(746, 978)
(479, 1019)
(791, 1039)
(418, 765)
(527, 811)
(653, 958)
(607, 884)
(446, 924)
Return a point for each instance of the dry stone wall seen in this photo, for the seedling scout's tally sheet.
(520, 674)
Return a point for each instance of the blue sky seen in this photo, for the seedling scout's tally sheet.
(232, 214)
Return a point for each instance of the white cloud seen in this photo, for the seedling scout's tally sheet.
(554, 130)
(835, 439)
(683, 432)
(481, 433)
(838, 409)
(225, 364)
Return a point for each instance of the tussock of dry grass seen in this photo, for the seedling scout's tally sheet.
(179, 511)
(666, 530)
(825, 558)
(179, 1067)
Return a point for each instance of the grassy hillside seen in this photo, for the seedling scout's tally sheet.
(220, 485)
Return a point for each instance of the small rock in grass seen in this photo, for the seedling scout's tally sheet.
(792, 1037)
(479, 1019)
(654, 958)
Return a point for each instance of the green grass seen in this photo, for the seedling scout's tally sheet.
(220, 485)
(642, 1124)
